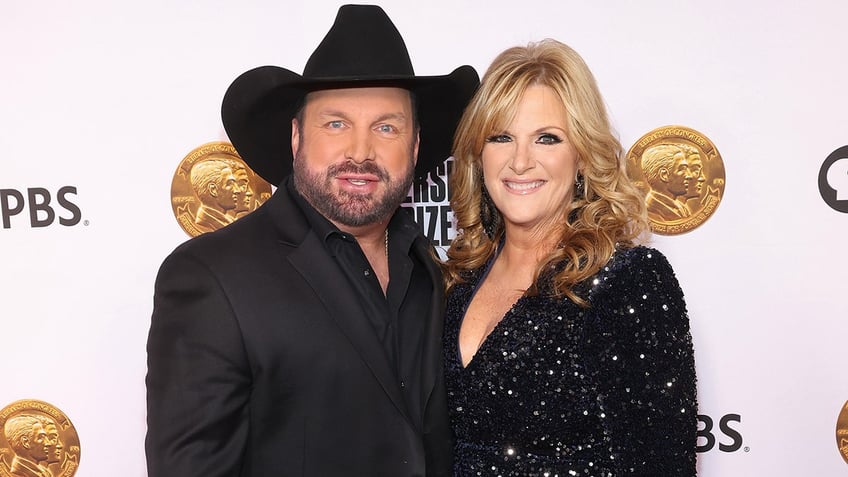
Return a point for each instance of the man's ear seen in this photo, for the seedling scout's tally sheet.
(295, 137)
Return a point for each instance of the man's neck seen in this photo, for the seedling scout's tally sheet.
(373, 239)
(368, 236)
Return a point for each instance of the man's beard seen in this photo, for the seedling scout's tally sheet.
(343, 207)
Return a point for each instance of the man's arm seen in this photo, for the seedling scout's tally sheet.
(438, 439)
(198, 378)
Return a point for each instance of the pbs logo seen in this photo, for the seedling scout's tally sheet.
(723, 432)
(40, 206)
(833, 180)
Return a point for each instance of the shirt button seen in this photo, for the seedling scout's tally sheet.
(402, 384)
(367, 273)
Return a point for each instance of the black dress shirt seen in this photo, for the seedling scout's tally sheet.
(408, 292)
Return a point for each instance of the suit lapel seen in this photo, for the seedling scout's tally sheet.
(311, 260)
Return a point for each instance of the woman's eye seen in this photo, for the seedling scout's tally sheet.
(549, 139)
(499, 138)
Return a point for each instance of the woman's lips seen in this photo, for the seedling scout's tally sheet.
(523, 187)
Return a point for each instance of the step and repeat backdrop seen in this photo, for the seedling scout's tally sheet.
(106, 107)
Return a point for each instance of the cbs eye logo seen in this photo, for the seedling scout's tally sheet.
(710, 434)
(833, 180)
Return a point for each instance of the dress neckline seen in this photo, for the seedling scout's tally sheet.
(486, 339)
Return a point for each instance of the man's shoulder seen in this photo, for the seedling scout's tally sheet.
(24, 468)
(405, 222)
(247, 233)
(276, 223)
(232, 234)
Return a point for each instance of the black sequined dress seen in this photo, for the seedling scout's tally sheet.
(560, 390)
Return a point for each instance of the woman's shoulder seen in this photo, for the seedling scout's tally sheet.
(632, 269)
(638, 260)
(639, 255)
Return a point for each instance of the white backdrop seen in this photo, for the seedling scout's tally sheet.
(107, 97)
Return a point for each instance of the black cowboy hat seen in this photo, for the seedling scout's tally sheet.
(363, 48)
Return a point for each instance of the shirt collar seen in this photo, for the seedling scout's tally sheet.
(322, 227)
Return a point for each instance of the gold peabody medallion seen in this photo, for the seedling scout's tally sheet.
(682, 175)
(213, 187)
(842, 432)
(37, 440)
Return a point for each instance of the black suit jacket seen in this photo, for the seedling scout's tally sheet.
(261, 363)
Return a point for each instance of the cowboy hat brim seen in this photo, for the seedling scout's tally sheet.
(259, 105)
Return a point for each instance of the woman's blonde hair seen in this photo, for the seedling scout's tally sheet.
(608, 212)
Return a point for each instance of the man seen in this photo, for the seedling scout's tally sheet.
(696, 167)
(27, 437)
(214, 184)
(304, 339)
(245, 205)
(667, 172)
(55, 449)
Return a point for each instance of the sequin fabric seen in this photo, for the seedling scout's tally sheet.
(559, 390)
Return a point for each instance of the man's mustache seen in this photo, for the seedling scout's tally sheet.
(367, 167)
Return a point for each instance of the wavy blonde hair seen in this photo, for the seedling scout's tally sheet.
(610, 211)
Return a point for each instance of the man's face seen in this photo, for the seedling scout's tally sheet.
(243, 184)
(678, 176)
(696, 184)
(54, 444)
(355, 153)
(228, 192)
(37, 444)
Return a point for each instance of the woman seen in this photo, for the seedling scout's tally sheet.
(567, 346)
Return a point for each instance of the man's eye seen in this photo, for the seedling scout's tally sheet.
(499, 138)
(386, 128)
(335, 124)
(549, 139)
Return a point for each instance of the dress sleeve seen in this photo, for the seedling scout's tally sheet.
(198, 378)
(639, 351)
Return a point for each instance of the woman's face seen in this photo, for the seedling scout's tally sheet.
(529, 168)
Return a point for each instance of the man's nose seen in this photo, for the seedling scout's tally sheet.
(360, 148)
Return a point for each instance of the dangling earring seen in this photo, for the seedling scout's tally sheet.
(489, 215)
(579, 185)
